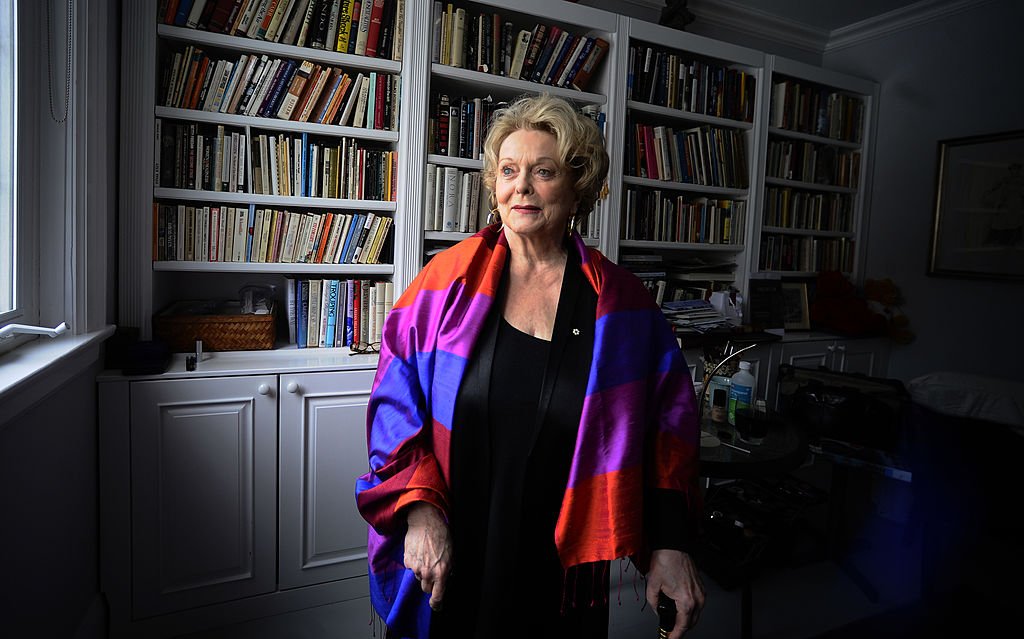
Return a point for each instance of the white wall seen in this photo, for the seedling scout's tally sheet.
(949, 78)
(49, 540)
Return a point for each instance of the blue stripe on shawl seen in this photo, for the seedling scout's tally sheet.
(448, 372)
(621, 333)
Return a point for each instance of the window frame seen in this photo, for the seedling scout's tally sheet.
(26, 184)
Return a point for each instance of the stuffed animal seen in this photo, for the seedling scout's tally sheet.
(884, 297)
(836, 306)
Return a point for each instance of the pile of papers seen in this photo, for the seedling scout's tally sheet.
(693, 316)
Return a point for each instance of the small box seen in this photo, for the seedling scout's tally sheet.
(220, 324)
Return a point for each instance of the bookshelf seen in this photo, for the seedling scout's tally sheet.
(645, 216)
(325, 173)
(685, 183)
(814, 182)
(473, 80)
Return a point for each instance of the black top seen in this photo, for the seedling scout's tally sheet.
(518, 411)
(516, 416)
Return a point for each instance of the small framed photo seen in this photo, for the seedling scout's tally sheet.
(794, 304)
(978, 228)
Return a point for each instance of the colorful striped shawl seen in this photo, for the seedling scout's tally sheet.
(638, 428)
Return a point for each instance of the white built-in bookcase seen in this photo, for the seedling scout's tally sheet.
(843, 235)
(146, 286)
(639, 36)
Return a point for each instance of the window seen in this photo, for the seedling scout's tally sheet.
(9, 299)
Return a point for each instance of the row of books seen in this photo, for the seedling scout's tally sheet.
(665, 78)
(374, 28)
(802, 253)
(264, 86)
(297, 165)
(813, 163)
(458, 126)
(331, 313)
(191, 155)
(706, 155)
(487, 42)
(808, 108)
(185, 232)
(658, 217)
(784, 207)
(454, 200)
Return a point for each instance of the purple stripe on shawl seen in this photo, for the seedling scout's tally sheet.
(459, 312)
(608, 443)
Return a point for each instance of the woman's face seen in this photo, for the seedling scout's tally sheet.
(534, 191)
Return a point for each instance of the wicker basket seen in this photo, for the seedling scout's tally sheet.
(221, 325)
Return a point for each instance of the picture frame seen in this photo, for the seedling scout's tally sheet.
(794, 304)
(978, 223)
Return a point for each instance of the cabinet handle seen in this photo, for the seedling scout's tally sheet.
(842, 348)
(263, 389)
(832, 348)
(292, 387)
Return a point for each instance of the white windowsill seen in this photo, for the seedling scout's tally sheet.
(30, 372)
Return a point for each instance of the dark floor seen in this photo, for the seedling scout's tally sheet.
(869, 587)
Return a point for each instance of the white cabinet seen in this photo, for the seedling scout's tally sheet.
(845, 355)
(227, 497)
(203, 500)
(323, 450)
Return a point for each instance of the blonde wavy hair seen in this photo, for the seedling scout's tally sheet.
(579, 143)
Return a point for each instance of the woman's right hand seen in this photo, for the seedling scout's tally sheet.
(428, 550)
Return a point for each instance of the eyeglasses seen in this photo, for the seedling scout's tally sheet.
(364, 348)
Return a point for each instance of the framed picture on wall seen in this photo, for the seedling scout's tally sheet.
(794, 304)
(978, 228)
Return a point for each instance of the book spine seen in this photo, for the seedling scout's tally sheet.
(374, 28)
(344, 27)
(365, 15)
(449, 215)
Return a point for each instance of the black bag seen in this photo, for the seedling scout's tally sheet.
(866, 411)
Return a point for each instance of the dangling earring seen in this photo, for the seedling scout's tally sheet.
(493, 217)
(574, 222)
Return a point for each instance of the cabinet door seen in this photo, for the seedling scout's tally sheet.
(865, 356)
(203, 491)
(810, 354)
(323, 450)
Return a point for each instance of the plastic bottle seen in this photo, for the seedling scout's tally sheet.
(741, 390)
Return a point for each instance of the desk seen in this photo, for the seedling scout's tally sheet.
(783, 450)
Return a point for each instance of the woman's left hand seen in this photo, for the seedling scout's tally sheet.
(673, 572)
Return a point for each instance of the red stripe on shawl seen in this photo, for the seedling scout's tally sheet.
(449, 266)
(675, 462)
(629, 295)
(421, 480)
(609, 534)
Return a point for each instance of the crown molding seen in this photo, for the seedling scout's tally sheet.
(897, 20)
(736, 17)
(743, 19)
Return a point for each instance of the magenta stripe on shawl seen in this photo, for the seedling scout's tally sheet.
(612, 416)
(463, 311)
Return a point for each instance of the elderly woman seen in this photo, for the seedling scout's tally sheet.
(532, 417)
